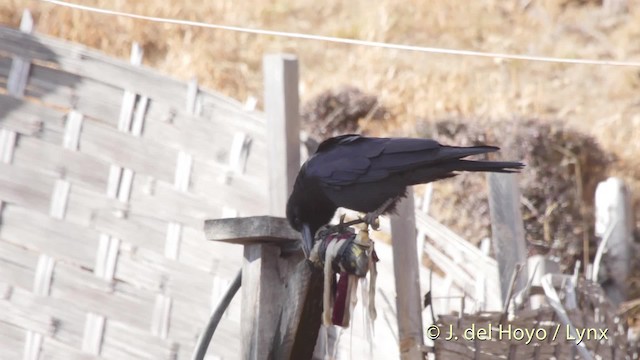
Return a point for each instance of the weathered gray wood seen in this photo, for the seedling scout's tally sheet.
(539, 266)
(66, 90)
(554, 300)
(119, 187)
(70, 319)
(16, 84)
(258, 300)
(212, 100)
(186, 208)
(283, 128)
(107, 257)
(59, 239)
(407, 274)
(507, 229)
(25, 187)
(130, 229)
(92, 64)
(17, 265)
(459, 256)
(54, 349)
(60, 196)
(93, 333)
(210, 141)
(51, 160)
(279, 291)
(454, 245)
(17, 315)
(130, 152)
(7, 145)
(245, 192)
(181, 184)
(462, 279)
(281, 314)
(20, 66)
(614, 224)
(72, 131)
(149, 270)
(127, 304)
(117, 343)
(139, 116)
(229, 119)
(251, 230)
(29, 118)
(193, 100)
(12, 340)
(161, 316)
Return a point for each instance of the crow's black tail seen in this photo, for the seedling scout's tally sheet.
(450, 168)
(487, 166)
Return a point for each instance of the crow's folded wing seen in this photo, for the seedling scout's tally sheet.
(351, 159)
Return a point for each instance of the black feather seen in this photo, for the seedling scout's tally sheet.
(362, 173)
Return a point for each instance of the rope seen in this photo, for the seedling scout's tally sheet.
(332, 39)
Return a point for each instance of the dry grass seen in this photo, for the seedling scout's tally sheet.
(601, 101)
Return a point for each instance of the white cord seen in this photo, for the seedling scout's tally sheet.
(294, 35)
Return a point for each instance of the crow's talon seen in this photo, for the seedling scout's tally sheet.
(372, 219)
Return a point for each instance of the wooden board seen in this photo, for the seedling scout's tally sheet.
(249, 230)
(114, 147)
(69, 319)
(117, 343)
(25, 187)
(12, 340)
(66, 90)
(92, 294)
(132, 229)
(92, 64)
(17, 265)
(53, 349)
(55, 161)
(25, 117)
(56, 238)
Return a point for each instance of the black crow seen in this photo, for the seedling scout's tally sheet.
(371, 175)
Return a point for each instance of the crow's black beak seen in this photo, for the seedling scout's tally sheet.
(307, 240)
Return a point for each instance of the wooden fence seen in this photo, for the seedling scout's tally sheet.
(107, 173)
(539, 333)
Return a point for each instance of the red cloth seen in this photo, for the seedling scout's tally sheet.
(341, 300)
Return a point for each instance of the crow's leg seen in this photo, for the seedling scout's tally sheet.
(342, 225)
(371, 218)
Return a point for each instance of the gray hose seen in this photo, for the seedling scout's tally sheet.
(205, 337)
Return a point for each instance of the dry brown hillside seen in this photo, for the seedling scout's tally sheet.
(600, 101)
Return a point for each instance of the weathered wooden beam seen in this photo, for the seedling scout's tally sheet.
(614, 224)
(538, 266)
(281, 291)
(407, 274)
(507, 230)
(249, 230)
(281, 106)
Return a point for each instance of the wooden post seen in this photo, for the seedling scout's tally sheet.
(407, 275)
(613, 226)
(283, 127)
(281, 292)
(507, 230)
(538, 266)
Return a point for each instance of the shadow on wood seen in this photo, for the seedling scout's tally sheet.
(281, 291)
